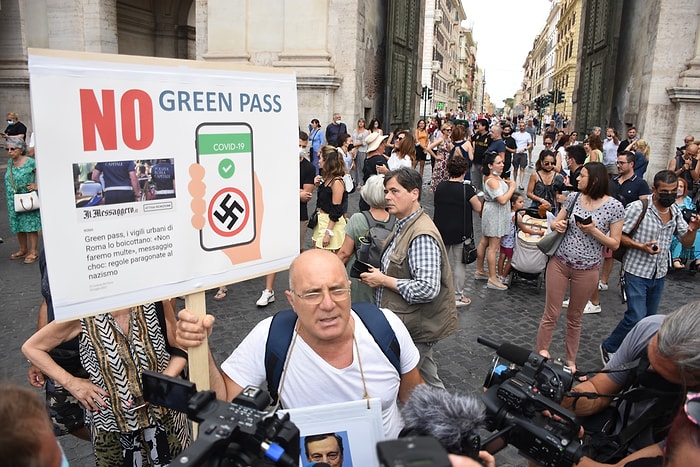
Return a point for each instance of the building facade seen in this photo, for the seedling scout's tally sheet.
(646, 76)
(366, 67)
(442, 68)
(566, 54)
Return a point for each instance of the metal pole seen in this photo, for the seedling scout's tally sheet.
(483, 93)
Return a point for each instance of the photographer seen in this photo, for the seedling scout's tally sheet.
(647, 394)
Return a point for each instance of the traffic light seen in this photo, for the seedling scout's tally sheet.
(424, 92)
(560, 96)
(550, 96)
(430, 93)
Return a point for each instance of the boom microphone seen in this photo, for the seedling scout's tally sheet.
(454, 419)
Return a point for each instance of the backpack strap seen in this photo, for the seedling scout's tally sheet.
(276, 347)
(282, 330)
(378, 326)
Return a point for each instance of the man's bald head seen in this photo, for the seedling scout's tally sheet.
(309, 259)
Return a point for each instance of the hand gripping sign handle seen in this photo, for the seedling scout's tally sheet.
(198, 357)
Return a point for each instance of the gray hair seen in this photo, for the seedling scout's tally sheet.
(373, 191)
(679, 339)
(17, 142)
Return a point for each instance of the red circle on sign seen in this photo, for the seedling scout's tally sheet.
(246, 216)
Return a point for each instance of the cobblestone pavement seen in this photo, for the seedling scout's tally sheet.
(511, 316)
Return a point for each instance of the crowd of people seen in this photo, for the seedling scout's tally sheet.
(593, 193)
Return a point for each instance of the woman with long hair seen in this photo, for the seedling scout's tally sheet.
(545, 183)
(495, 218)
(594, 148)
(359, 150)
(439, 151)
(421, 136)
(641, 151)
(589, 221)
(375, 126)
(461, 146)
(404, 153)
(560, 151)
(329, 232)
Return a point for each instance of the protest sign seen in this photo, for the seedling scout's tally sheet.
(161, 177)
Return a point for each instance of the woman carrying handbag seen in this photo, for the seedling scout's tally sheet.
(588, 221)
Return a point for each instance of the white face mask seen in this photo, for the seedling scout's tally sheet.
(10, 122)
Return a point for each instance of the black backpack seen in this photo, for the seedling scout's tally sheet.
(374, 240)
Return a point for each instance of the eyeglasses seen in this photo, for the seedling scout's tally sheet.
(547, 144)
(621, 162)
(692, 407)
(548, 163)
(331, 456)
(10, 149)
(400, 138)
(337, 294)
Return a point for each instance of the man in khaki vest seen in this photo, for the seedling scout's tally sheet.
(415, 280)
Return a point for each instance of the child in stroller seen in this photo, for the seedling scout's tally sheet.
(519, 255)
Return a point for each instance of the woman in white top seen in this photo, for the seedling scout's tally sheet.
(404, 154)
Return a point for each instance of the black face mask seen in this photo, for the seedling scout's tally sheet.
(666, 199)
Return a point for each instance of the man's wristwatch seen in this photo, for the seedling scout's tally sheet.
(330, 232)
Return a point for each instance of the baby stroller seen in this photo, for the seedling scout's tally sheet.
(528, 261)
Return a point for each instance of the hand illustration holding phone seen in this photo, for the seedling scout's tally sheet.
(197, 189)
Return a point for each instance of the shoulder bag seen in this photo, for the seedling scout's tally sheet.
(468, 245)
(550, 242)
(24, 202)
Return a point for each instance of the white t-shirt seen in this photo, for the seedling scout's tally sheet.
(310, 380)
(522, 140)
(395, 163)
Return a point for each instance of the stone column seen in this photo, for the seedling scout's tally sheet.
(686, 94)
(221, 30)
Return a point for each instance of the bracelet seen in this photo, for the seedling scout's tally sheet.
(330, 232)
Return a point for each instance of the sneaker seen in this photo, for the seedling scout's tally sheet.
(531, 165)
(602, 285)
(521, 188)
(504, 279)
(267, 297)
(605, 356)
(590, 309)
(565, 303)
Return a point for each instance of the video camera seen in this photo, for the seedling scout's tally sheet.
(516, 396)
(240, 433)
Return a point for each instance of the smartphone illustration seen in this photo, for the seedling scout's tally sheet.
(583, 220)
(226, 152)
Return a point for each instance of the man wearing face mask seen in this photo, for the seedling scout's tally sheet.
(646, 261)
(334, 130)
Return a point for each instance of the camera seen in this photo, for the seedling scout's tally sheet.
(516, 395)
(412, 451)
(239, 433)
(689, 213)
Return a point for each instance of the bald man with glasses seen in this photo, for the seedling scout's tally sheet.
(328, 343)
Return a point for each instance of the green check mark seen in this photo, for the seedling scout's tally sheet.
(226, 168)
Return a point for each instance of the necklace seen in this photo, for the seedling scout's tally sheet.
(664, 212)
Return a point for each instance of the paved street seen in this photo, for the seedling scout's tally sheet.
(511, 316)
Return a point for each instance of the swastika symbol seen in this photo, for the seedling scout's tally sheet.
(229, 212)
